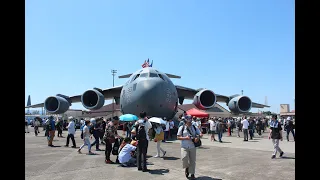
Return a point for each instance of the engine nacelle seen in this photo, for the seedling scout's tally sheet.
(240, 104)
(56, 105)
(92, 99)
(204, 99)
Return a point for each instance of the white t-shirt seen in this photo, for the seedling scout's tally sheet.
(171, 124)
(167, 126)
(245, 124)
(86, 132)
(147, 126)
(187, 144)
(195, 123)
(124, 155)
(71, 129)
(212, 125)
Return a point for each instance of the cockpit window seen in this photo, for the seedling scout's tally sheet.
(161, 77)
(135, 77)
(144, 75)
(153, 75)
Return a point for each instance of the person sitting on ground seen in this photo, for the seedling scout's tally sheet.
(125, 156)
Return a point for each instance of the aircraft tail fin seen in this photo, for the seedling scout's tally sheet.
(173, 76)
(29, 101)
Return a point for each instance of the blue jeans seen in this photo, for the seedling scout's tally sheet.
(166, 135)
(128, 134)
(220, 135)
(288, 132)
(96, 142)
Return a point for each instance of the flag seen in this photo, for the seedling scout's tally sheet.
(145, 64)
(151, 64)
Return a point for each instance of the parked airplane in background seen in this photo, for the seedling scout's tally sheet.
(151, 91)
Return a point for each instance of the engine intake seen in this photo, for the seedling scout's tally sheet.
(92, 99)
(240, 104)
(56, 105)
(204, 99)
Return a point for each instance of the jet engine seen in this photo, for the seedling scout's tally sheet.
(204, 99)
(56, 105)
(240, 104)
(92, 99)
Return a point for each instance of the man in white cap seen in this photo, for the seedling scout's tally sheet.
(188, 134)
(71, 131)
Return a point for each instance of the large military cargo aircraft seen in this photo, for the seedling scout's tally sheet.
(151, 91)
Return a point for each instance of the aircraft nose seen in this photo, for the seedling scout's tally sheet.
(151, 87)
(150, 91)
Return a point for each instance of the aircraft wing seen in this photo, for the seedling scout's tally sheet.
(257, 105)
(189, 93)
(108, 94)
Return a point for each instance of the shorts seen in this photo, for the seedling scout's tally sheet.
(212, 132)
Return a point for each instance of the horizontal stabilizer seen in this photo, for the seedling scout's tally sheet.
(173, 76)
(125, 76)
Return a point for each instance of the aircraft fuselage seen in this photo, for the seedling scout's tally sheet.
(151, 91)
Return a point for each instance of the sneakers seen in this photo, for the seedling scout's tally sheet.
(79, 151)
(156, 156)
(165, 152)
(273, 156)
(281, 154)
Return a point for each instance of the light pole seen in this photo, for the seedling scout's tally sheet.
(113, 72)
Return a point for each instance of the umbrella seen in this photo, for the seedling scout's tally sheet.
(128, 117)
(157, 120)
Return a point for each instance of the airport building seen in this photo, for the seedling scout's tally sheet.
(285, 110)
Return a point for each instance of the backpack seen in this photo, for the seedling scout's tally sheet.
(116, 146)
(91, 129)
(141, 133)
(164, 126)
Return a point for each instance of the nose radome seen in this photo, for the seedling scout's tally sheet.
(149, 92)
(151, 86)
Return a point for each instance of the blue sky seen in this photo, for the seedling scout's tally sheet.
(225, 46)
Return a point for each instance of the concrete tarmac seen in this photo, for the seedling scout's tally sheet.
(232, 160)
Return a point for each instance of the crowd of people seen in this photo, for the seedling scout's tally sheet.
(131, 150)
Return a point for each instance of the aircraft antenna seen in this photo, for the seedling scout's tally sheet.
(113, 72)
(241, 92)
